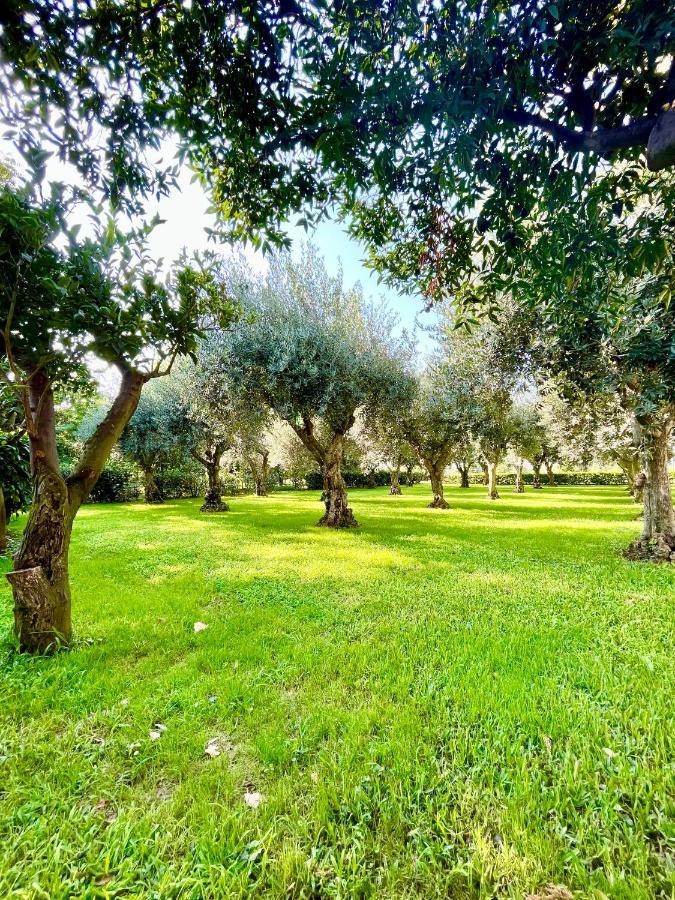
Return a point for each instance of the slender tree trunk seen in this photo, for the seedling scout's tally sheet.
(409, 474)
(463, 470)
(151, 488)
(395, 477)
(536, 477)
(550, 473)
(260, 475)
(213, 500)
(486, 473)
(520, 487)
(338, 514)
(492, 492)
(436, 471)
(658, 535)
(3, 522)
(39, 580)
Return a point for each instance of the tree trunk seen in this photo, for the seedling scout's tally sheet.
(463, 475)
(213, 501)
(436, 471)
(39, 580)
(492, 492)
(338, 514)
(657, 541)
(486, 474)
(520, 487)
(3, 522)
(151, 488)
(261, 474)
(395, 477)
(550, 473)
(536, 469)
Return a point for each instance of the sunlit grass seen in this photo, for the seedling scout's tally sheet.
(470, 703)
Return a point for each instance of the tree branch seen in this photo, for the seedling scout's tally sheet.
(601, 141)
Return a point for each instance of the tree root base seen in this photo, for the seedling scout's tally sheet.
(659, 550)
(438, 503)
(345, 520)
(519, 490)
(214, 506)
(394, 490)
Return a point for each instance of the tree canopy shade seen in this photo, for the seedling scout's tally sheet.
(56, 307)
(315, 352)
(456, 119)
(105, 81)
(608, 324)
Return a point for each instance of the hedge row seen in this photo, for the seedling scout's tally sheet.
(562, 478)
(380, 478)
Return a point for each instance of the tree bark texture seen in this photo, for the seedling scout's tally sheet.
(520, 487)
(213, 500)
(338, 514)
(39, 580)
(463, 470)
(395, 477)
(151, 489)
(492, 492)
(536, 476)
(486, 475)
(657, 540)
(550, 473)
(436, 470)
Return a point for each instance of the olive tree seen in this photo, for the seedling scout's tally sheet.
(316, 353)
(153, 437)
(57, 307)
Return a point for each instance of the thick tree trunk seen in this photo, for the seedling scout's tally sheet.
(395, 477)
(3, 522)
(657, 541)
(151, 488)
(492, 491)
(520, 487)
(213, 500)
(550, 473)
(463, 475)
(436, 471)
(39, 580)
(338, 514)
(409, 478)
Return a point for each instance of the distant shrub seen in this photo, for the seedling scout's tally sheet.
(181, 483)
(117, 483)
(378, 478)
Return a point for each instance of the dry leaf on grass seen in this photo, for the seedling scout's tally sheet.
(199, 626)
(552, 892)
(253, 799)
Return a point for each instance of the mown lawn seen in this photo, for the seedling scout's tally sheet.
(471, 703)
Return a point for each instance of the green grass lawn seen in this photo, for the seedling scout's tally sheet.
(471, 703)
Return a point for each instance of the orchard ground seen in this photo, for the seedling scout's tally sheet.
(467, 703)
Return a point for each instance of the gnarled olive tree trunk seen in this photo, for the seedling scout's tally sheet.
(463, 469)
(520, 486)
(39, 580)
(213, 500)
(657, 540)
(550, 473)
(395, 478)
(436, 469)
(151, 489)
(338, 514)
